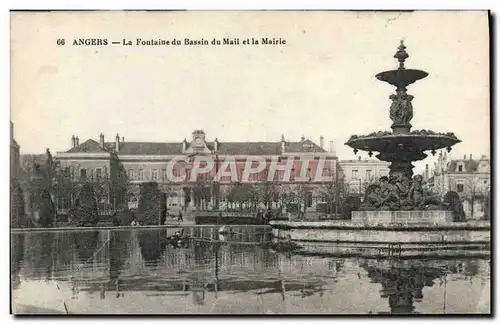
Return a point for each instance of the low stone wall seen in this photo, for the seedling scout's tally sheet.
(378, 250)
(411, 216)
(334, 231)
(127, 228)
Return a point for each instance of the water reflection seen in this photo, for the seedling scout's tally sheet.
(153, 244)
(134, 270)
(403, 281)
(86, 244)
(402, 285)
(40, 252)
(119, 251)
(17, 258)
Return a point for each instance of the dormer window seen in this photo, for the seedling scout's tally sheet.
(460, 168)
(307, 145)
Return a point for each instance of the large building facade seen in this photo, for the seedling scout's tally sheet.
(154, 162)
(469, 177)
(14, 155)
(359, 174)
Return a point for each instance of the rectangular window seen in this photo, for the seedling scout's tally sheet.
(355, 174)
(460, 187)
(164, 174)
(460, 168)
(140, 174)
(131, 174)
(83, 173)
(98, 173)
(368, 174)
(154, 175)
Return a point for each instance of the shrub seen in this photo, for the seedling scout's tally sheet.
(148, 211)
(85, 208)
(46, 209)
(17, 216)
(124, 218)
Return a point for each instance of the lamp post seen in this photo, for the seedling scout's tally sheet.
(56, 186)
(216, 182)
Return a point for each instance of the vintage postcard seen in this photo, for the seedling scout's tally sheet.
(250, 162)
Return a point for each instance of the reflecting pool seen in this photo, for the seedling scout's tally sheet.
(136, 271)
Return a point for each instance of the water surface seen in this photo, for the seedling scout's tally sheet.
(136, 271)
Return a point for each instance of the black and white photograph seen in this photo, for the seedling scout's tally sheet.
(250, 163)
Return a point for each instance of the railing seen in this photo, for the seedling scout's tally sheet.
(214, 213)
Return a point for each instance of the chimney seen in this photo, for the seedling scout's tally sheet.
(216, 145)
(322, 142)
(465, 156)
(332, 148)
(73, 141)
(302, 138)
(282, 143)
(184, 145)
(101, 140)
(77, 141)
(471, 156)
(117, 143)
(123, 139)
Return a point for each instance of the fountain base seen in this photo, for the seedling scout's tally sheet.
(402, 217)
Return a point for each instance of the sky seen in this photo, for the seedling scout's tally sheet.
(320, 83)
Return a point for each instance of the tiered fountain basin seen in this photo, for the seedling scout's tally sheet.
(419, 141)
(389, 233)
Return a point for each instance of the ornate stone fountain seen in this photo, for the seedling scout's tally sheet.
(401, 191)
(398, 217)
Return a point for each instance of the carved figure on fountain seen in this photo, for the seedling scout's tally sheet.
(401, 111)
(451, 200)
(403, 185)
(400, 193)
(372, 198)
(381, 196)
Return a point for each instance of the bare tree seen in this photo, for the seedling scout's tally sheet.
(476, 192)
(269, 192)
(201, 192)
(334, 194)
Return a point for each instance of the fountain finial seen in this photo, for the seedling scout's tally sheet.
(401, 55)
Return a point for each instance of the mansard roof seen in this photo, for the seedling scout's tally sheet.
(469, 165)
(175, 148)
(146, 148)
(89, 146)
